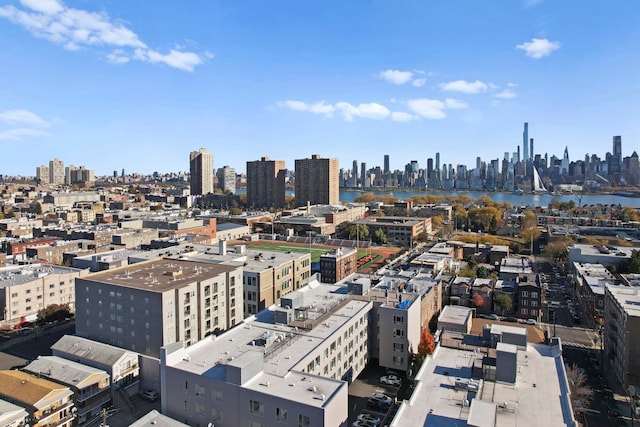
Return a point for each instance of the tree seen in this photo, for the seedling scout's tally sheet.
(36, 208)
(426, 347)
(581, 394)
(482, 272)
(53, 312)
(503, 301)
(235, 211)
(478, 300)
(379, 236)
(358, 231)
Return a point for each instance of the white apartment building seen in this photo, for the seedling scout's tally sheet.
(145, 306)
(284, 366)
(621, 326)
(26, 289)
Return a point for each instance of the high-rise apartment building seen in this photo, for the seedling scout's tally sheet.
(201, 169)
(386, 164)
(265, 183)
(42, 174)
(227, 179)
(317, 181)
(56, 172)
(621, 323)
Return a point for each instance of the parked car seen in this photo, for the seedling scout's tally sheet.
(358, 423)
(150, 395)
(492, 317)
(531, 322)
(370, 418)
(382, 398)
(510, 319)
(391, 380)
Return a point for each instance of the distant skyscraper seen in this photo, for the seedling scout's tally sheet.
(525, 143)
(363, 175)
(227, 179)
(354, 173)
(437, 160)
(531, 153)
(42, 174)
(265, 183)
(56, 172)
(201, 169)
(317, 181)
(386, 164)
(564, 164)
(617, 154)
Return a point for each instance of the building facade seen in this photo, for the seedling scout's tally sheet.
(338, 264)
(56, 172)
(621, 325)
(317, 181)
(148, 305)
(265, 183)
(227, 179)
(201, 172)
(24, 290)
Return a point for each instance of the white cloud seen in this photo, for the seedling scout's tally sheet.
(454, 104)
(23, 117)
(427, 108)
(21, 134)
(419, 82)
(465, 86)
(74, 29)
(396, 77)
(505, 94)
(317, 108)
(538, 48)
(372, 111)
(512, 84)
(401, 116)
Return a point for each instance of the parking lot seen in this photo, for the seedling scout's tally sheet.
(368, 383)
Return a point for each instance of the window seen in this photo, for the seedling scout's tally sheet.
(200, 409)
(524, 311)
(534, 294)
(398, 346)
(534, 303)
(304, 421)
(281, 415)
(199, 390)
(525, 302)
(398, 319)
(256, 407)
(216, 414)
(398, 360)
(398, 333)
(525, 294)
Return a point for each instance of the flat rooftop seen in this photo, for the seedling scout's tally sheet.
(455, 314)
(282, 360)
(19, 275)
(532, 401)
(628, 298)
(161, 275)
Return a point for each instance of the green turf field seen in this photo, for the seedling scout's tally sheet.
(316, 250)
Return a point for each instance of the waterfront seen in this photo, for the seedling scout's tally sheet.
(347, 195)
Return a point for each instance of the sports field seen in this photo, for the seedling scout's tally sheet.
(368, 259)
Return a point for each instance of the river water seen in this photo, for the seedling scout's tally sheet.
(513, 199)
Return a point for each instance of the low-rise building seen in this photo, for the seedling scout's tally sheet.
(12, 415)
(598, 254)
(123, 366)
(338, 264)
(46, 402)
(26, 289)
(589, 281)
(90, 386)
(399, 230)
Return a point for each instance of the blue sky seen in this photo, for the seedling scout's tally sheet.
(138, 85)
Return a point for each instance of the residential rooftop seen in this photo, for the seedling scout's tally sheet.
(161, 275)
(628, 298)
(102, 354)
(156, 419)
(538, 398)
(282, 360)
(19, 275)
(66, 371)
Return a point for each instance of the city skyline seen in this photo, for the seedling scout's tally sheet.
(111, 87)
